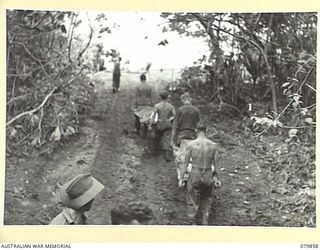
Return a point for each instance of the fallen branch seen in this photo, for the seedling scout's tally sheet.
(33, 110)
(43, 151)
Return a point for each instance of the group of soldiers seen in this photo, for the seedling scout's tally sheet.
(180, 133)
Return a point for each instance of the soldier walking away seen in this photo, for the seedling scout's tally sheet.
(77, 197)
(116, 75)
(163, 117)
(148, 67)
(184, 125)
(132, 213)
(204, 173)
(143, 106)
(185, 121)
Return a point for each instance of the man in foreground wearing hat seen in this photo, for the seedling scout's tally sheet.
(185, 121)
(164, 112)
(132, 213)
(77, 196)
(204, 173)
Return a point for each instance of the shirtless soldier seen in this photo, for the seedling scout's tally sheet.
(204, 174)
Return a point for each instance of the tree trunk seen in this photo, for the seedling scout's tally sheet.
(272, 83)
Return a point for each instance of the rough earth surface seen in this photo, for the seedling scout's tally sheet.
(122, 161)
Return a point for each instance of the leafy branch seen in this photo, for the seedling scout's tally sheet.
(30, 112)
(33, 57)
(89, 41)
(287, 106)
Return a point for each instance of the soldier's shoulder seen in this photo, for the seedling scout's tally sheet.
(191, 142)
(196, 108)
(58, 220)
(169, 104)
(212, 143)
(157, 105)
(180, 109)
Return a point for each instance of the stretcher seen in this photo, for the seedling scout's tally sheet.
(144, 113)
(179, 155)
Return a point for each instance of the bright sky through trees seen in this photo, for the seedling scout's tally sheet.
(137, 34)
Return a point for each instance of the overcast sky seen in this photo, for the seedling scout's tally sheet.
(137, 36)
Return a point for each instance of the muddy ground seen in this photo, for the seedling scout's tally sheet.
(122, 161)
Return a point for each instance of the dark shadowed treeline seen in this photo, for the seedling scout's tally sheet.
(255, 58)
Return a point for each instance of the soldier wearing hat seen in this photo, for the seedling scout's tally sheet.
(185, 120)
(132, 213)
(77, 196)
(164, 112)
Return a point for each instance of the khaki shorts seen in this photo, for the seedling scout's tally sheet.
(185, 134)
(201, 183)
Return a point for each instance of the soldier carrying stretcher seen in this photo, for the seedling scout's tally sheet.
(143, 106)
(185, 121)
(163, 117)
(184, 129)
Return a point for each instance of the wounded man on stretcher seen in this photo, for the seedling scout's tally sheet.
(143, 115)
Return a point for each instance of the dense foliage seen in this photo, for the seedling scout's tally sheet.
(253, 55)
(47, 88)
(262, 66)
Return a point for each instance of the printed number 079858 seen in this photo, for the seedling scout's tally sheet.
(308, 245)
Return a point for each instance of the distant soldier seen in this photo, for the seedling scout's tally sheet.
(185, 121)
(148, 67)
(77, 196)
(116, 75)
(201, 153)
(132, 213)
(143, 106)
(163, 117)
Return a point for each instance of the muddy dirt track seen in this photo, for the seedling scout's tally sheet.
(121, 160)
(125, 165)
